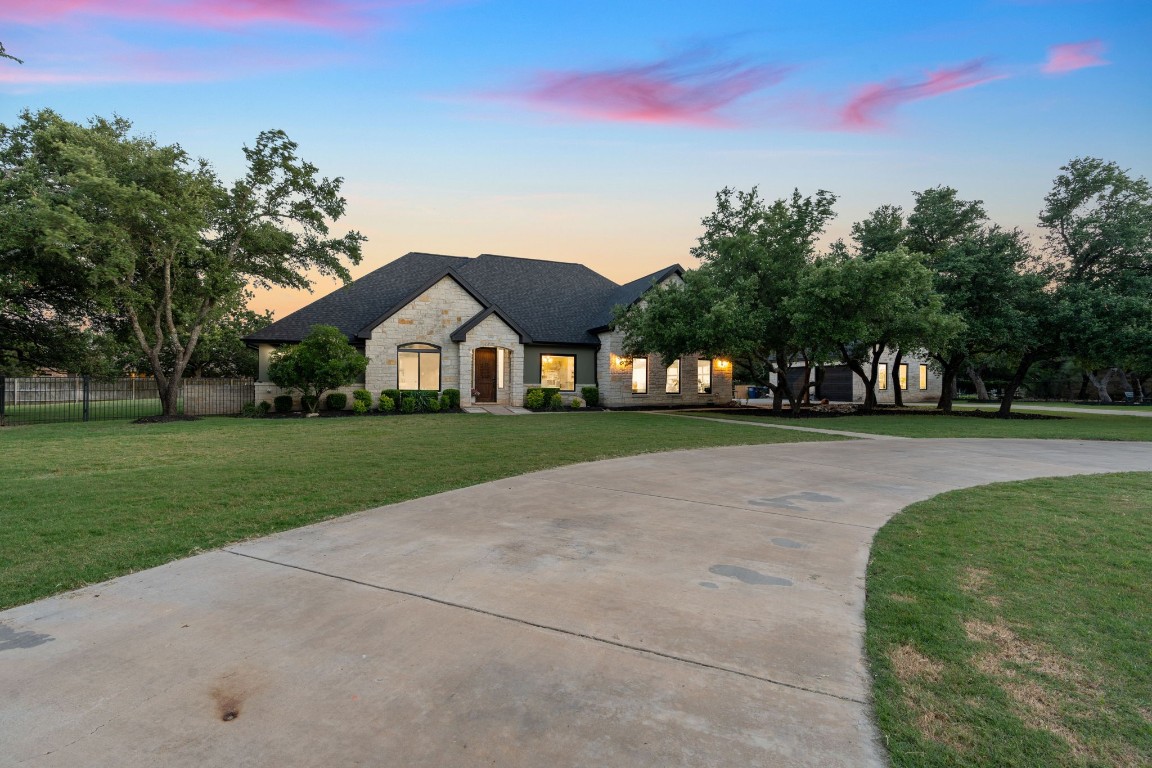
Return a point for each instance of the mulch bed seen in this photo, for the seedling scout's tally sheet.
(837, 411)
(165, 419)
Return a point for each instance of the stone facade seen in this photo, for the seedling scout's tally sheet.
(913, 393)
(614, 373)
(494, 332)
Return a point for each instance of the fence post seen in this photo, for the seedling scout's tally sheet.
(85, 385)
(3, 397)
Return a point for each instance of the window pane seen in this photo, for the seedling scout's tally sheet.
(639, 375)
(499, 367)
(903, 375)
(408, 365)
(673, 385)
(558, 371)
(923, 377)
(882, 377)
(704, 377)
(430, 370)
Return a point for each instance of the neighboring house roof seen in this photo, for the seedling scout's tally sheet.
(546, 302)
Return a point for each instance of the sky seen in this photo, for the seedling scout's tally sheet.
(599, 132)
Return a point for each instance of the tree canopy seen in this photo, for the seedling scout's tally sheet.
(324, 360)
(121, 230)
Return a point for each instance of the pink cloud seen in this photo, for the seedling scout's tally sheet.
(201, 13)
(686, 90)
(1072, 56)
(873, 102)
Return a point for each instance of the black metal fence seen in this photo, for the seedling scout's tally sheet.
(49, 399)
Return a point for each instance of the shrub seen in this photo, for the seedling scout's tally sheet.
(359, 407)
(576, 403)
(548, 392)
(336, 401)
(591, 396)
(387, 404)
(424, 398)
(323, 360)
(283, 403)
(362, 396)
(408, 404)
(263, 407)
(248, 411)
(433, 405)
(450, 400)
(534, 399)
(395, 394)
(556, 403)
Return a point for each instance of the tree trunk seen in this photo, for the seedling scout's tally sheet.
(170, 395)
(1026, 362)
(785, 386)
(1083, 393)
(898, 391)
(948, 370)
(1137, 388)
(1101, 382)
(978, 383)
(777, 400)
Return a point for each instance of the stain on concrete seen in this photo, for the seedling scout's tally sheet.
(230, 694)
(788, 543)
(749, 576)
(789, 501)
(10, 639)
(709, 585)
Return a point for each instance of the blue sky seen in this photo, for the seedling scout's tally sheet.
(599, 132)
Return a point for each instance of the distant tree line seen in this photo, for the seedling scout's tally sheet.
(940, 281)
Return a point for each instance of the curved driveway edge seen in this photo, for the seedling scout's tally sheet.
(696, 608)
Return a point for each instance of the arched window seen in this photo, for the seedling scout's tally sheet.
(418, 367)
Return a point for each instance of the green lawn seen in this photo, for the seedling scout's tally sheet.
(98, 410)
(85, 502)
(1010, 625)
(1075, 426)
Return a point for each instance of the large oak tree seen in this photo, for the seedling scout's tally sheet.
(150, 239)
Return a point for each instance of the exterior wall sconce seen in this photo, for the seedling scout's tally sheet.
(621, 363)
(723, 365)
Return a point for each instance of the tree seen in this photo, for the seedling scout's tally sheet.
(5, 55)
(162, 246)
(864, 306)
(1099, 238)
(324, 360)
(753, 255)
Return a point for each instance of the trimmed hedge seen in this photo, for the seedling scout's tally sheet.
(283, 403)
(362, 396)
(336, 401)
(450, 400)
(591, 396)
(386, 403)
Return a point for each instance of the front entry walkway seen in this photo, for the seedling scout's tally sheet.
(496, 410)
(679, 609)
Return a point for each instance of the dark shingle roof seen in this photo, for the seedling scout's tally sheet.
(547, 302)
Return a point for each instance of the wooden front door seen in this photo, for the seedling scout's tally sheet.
(485, 367)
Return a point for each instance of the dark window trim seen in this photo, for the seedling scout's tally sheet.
(708, 389)
(436, 349)
(646, 377)
(679, 362)
(575, 372)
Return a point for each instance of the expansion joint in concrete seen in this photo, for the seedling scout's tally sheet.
(549, 628)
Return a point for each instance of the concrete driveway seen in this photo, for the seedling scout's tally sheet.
(697, 608)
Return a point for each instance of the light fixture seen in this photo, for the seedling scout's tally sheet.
(723, 364)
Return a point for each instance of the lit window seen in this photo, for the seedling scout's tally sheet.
(923, 376)
(672, 384)
(558, 371)
(418, 367)
(499, 367)
(903, 375)
(882, 377)
(639, 375)
(704, 377)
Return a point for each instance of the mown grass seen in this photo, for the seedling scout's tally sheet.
(1009, 625)
(1068, 426)
(81, 503)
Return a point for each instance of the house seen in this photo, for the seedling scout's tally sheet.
(917, 381)
(495, 326)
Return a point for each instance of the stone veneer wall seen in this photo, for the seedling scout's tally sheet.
(428, 319)
(494, 332)
(615, 379)
(911, 395)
